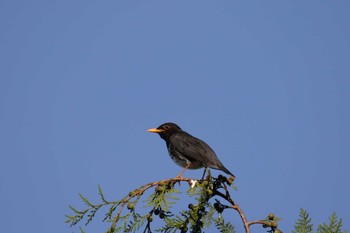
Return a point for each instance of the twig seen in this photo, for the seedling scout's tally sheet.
(236, 207)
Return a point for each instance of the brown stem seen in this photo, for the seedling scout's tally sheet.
(243, 217)
(262, 222)
(235, 207)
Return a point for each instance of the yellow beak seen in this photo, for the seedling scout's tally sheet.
(155, 130)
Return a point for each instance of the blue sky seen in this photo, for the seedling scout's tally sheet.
(264, 83)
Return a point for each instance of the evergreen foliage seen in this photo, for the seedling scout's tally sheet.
(334, 225)
(303, 225)
(209, 199)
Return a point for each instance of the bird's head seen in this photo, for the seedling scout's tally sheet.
(166, 130)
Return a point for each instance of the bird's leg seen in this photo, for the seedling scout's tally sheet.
(183, 170)
(205, 169)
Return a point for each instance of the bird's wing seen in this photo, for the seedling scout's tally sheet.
(191, 147)
(196, 150)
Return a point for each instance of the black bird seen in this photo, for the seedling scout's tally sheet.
(187, 151)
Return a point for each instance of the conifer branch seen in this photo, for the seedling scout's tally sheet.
(198, 216)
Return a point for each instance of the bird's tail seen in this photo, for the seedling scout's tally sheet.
(224, 169)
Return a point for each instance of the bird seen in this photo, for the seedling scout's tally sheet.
(188, 151)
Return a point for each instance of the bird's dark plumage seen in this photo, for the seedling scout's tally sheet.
(186, 150)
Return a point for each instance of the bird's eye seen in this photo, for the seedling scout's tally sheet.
(166, 127)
